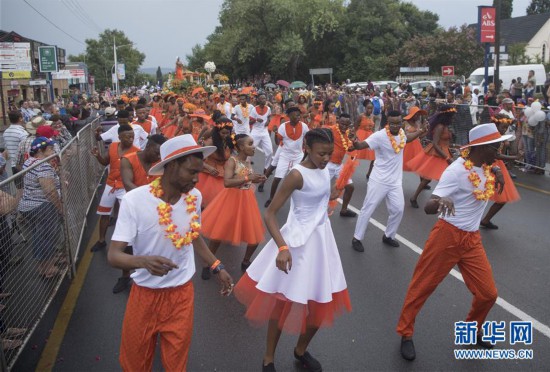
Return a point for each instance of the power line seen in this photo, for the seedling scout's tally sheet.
(76, 12)
(53, 24)
(86, 15)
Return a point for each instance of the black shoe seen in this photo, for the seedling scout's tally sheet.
(407, 349)
(122, 284)
(357, 245)
(390, 241)
(489, 225)
(267, 203)
(308, 362)
(245, 265)
(98, 246)
(269, 368)
(414, 203)
(261, 188)
(483, 344)
(347, 213)
(205, 274)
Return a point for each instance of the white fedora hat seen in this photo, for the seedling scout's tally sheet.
(484, 134)
(176, 148)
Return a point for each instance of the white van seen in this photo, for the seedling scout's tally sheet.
(506, 74)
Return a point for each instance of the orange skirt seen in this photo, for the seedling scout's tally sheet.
(409, 152)
(157, 113)
(234, 217)
(510, 194)
(292, 317)
(170, 131)
(274, 122)
(428, 165)
(365, 154)
(209, 186)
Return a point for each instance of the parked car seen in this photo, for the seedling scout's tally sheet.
(382, 84)
(418, 86)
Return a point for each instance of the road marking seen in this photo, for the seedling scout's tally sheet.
(532, 188)
(51, 350)
(542, 328)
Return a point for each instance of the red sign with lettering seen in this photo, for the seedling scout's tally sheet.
(487, 22)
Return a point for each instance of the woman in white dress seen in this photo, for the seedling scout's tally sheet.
(306, 289)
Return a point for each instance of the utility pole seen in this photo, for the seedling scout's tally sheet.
(497, 46)
(116, 67)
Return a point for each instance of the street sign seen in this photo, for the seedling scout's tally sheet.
(121, 71)
(414, 69)
(47, 58)
(502, 56)
(502, 49)
(37, 82)
(15, 57)
(487, 24)
(320, 71)
(16, 74)
(447, 70)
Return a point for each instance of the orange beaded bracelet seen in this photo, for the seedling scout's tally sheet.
(215, 264)
(283, 248)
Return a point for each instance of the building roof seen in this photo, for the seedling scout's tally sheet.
(520, 29)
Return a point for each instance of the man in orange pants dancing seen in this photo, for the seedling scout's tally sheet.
(460, 199)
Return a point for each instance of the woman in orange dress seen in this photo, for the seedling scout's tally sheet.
(233, 216)
(364, 127)
(303, 106)
(315, 115)
(156, 109)
(211, 178)
(329, 118)
(430, 163)
(413, 122)
(510, 193)
(275, 118)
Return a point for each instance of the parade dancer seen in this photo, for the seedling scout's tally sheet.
(342, 146)
(162, 222)
(364, 127)
(290, 153)
(296, 283)
(233, 216)
(241, 115)
(262, 141)
(459, 198)
(114, 188)
(510, 193)
(430, 163)
(386, 179)
(144, 121)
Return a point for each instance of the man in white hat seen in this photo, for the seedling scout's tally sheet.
(162, 223)
(460, 199)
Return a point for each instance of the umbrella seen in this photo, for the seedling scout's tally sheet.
(298, 84)
(284, 83)
(270, 85)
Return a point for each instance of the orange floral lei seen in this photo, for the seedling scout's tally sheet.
(165, 217)
(476, 181)
(402, 140)
(346, 143)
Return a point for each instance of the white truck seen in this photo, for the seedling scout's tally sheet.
(506, 74)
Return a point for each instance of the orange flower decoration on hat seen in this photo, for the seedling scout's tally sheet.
(165, 217)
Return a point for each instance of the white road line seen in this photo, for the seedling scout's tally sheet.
(542, 328)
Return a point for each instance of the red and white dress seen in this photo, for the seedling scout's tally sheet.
(314, 292)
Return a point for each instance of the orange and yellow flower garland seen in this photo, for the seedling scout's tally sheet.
(346, 142)
(165, 217)
(402, 140)
(476, 181)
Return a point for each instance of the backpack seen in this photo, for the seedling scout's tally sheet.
(376, 104)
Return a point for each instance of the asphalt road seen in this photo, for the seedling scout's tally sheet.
(365, 339)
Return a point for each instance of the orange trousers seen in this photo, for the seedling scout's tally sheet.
(150, 312)
(446, 247)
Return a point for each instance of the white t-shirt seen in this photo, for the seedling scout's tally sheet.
(140, 135)
(138, 225)
(226, 109)
(244, 127)
(388, 167)
(257, 127)
(454, 184)
(292, 148)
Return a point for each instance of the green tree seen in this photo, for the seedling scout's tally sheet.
(159, 76)
(100, 59)
(456, 47)
(506, 8)
(538, 7)
(517, 55)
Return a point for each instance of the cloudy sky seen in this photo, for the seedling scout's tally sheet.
(162, 29)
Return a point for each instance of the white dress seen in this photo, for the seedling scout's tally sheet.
(315, 287)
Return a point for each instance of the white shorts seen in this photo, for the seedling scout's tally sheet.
(108, 200)
(334, 171)
(285, 165)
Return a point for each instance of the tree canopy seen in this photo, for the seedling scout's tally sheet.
(100, 59)
(538, 7)
(506, 8)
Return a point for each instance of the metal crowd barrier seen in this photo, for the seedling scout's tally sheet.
(39, 244)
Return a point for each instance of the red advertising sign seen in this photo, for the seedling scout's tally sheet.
(487, 22)
(448, 70)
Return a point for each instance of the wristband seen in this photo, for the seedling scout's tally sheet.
(283, 248)
(218, 268)
(215, 264)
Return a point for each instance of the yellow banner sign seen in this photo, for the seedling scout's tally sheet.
(16, 74)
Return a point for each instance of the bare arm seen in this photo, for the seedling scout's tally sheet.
(103, 160)
(437, 136)
(127, 174)
(50, 192)
(414, 135)
(156, 265)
